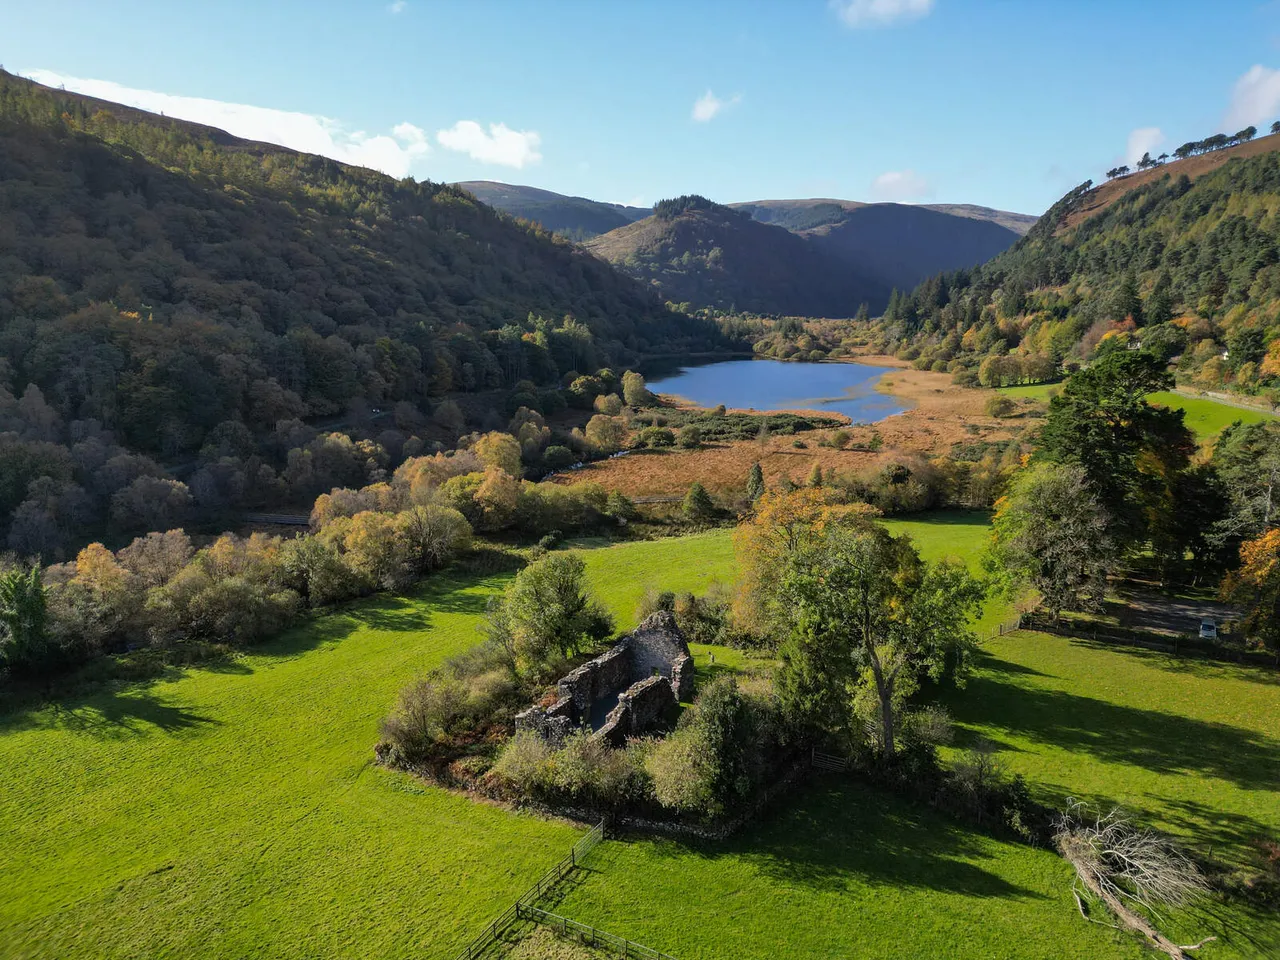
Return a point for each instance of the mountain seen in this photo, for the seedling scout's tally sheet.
(170, 290)
(1183, 259)
(695, 251)
(574, 217)
(899, 244)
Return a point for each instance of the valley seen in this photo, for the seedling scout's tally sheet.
(400, 561)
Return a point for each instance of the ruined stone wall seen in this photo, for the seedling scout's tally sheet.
(682, 681)
(640, 706)
(606, 674)
(656, 645)
(552, 723)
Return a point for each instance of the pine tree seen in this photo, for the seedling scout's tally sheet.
(815, 476)
(755, 483)
(698, 504)
(864, 314)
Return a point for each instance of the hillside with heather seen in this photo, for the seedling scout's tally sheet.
(1182, 258)
(697, 252)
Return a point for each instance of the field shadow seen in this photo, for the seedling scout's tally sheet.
(1189, 664)
(111, 715)
(110, 697)
(837, 829)
(1161, 742)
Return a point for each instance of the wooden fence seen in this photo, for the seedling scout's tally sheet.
(1007, 627)
(546, 883)
(1181, 646)
(591, 936)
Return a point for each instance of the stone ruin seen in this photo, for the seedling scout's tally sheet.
(626, 690)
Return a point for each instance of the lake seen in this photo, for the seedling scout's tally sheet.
(847, 388)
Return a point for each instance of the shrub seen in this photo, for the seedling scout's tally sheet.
(690, 437)
(682, 768)
(654, 600)
(1000, 406)
(522, 764)
(654, 437)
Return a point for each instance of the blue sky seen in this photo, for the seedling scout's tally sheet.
(1006, 103)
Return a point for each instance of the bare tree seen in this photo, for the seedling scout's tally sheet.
(1128, 868)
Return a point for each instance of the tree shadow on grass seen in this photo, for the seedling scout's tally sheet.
(111, 715)
(836, 833)
(1160, 742)
(840, 831)
(109, 697)
(1189, 664)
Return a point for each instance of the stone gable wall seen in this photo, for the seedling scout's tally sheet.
(656, 645)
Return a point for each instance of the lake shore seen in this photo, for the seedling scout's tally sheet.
(940, 415)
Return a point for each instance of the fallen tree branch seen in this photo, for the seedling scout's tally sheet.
(1117, 861)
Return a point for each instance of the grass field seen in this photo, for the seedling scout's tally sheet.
(233, 811)
(1206, 418)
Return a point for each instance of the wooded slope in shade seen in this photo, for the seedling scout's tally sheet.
(162, 278)
(706, 254)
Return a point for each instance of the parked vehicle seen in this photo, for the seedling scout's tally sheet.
(1208, 630)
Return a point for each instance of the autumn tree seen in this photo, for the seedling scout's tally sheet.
(606, 434)
(868, 620)
(499, 450)
(1255, 589)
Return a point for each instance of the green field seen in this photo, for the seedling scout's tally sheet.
(233, 810)
(1206, 418)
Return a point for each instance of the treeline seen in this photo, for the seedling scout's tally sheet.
(1113, 481)
(1187, 269)
(1192, 148)
(180, 292)
(161, 592)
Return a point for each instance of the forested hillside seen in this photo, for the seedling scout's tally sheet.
(705, 254)
(169, 293)
(1183, 259)
(574, 217)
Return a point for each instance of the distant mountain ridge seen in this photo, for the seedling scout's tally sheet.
(577, 218)
(858, 250)
(705, 254)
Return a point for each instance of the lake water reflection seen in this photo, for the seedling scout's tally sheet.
(847, 388)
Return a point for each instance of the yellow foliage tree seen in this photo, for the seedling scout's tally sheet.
(781, 524)
(499, 450)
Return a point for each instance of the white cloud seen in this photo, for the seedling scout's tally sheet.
(901, 185)
(1255, 100)
(1143, 140)
(397, 6)
(309, 133)
(708, 105)
(511, 148)
(880, 13)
